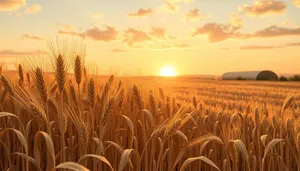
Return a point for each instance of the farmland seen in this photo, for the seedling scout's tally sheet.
(80, 121)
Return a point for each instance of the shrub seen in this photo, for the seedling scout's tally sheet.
(240, 78)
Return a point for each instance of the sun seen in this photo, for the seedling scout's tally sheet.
(167, 71)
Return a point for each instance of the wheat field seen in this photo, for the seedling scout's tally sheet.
(70, 119)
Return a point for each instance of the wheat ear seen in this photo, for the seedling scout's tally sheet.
(7, 85)
(91, 92)
(21, 73)
(60, 73)
(137, 97)
(41, 85)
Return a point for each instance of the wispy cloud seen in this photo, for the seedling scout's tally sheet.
(10, 5)
(225, 48)
(219, 32)
(27, 36)
(72, 33)
(179, 1)
(293, 44)
(65, 26)
(107, 34)
(194, 15)
(259, 47)
(119, 50)
(168, 46)
(12, 53)
(142, 12)
(33, 9)
(169, 7)
(275, 31)
(264, 7)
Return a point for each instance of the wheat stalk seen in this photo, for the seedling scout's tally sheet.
(28, 77)
(171, 129)
(73, 94)
(298, 142)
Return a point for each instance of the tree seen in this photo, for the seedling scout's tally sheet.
(283, 78)
(295, 78)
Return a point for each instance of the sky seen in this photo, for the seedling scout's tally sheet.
(207, 37)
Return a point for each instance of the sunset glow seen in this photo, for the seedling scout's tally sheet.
(167, 71)
(127, 35)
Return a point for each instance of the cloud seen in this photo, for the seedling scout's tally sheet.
(97, 15)
(258, 47)
(106, 35)
(236, 21)
(26, 36)
(142, 12)
(72, 33)
(293, 44)
(169, 7)
(297, 3)
(12, 53)
(264, 7)
(275, 31)
(194, 15)
(168, 46)
(179, 1)
(158, 33)
(33, 9)
(65, 26)
(132, 36)
(10, 5)
(119, 50)
(225, 48)
(219, 32)
(255, 47)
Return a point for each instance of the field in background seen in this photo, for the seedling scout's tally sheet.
(147, 123)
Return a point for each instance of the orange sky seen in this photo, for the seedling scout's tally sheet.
(193, 36)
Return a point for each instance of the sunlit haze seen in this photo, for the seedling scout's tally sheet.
(167, 71)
